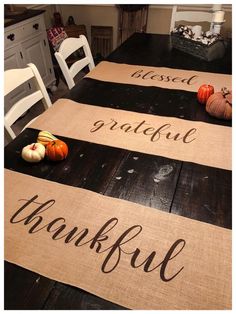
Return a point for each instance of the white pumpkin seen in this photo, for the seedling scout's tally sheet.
(34, 152)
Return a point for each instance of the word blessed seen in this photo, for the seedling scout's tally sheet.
(32, 212)
(141, 128)
(151, 75)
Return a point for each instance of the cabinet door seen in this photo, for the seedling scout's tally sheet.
(35, 51)
(13, 59)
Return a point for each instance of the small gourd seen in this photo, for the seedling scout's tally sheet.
(56, 150)
(44, 137)
(204, 92)
(219, 104)
(34, 152)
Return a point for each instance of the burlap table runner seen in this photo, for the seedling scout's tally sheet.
(192, 141)
(158, 76)
(136, 256)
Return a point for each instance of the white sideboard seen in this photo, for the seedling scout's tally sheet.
(26, 42)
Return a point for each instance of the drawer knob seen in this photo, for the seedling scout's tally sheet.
(36, 26)
(11, 37)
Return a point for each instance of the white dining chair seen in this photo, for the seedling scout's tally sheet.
(67, 47)
(189, 16)
(14, 78)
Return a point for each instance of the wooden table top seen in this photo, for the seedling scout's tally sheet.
(195, 191)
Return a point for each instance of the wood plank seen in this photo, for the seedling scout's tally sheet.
(65, 297)
(156, 50)
(204, 193)
(24, 289)
(146, 179)
(95, 163)
(151, 100)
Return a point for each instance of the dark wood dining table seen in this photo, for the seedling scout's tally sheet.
(192, 190)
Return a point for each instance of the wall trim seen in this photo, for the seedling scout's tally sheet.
(37, 6)
(192, 7)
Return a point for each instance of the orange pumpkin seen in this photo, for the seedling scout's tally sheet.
(219, 105)
(56, 150)
(204, 92)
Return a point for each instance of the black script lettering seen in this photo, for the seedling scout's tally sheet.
(169, 257)
(191, 80)
(145, 76)
(114, 124)
(98, 124)
(178, 137)
(190, 132)
(175, 137)
(28, 219)
(71, 235)
(141, 128)
(116, 248)
(157, 134)
(18, 212)
(137, 74)
(146, 131)
(147, 262)
(51, 224)
(115, 251)
(166, 78)
(156, 77)
(126, 127)
(177, 79)
(163, 264)
(136, 129)
(101, 235)
(151, 75)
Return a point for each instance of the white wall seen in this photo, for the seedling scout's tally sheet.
(107, 15)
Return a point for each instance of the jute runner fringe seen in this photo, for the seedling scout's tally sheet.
(158, 76)
(136, 256)
(192, 141)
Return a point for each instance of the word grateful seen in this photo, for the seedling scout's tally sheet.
(144, 128)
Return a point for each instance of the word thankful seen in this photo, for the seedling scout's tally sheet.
(152, 75)
(144, 128)
(32, 212)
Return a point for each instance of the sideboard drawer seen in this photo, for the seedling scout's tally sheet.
(25, 29)
(33, 28)
(13, 36)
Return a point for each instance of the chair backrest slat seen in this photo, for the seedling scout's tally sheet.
(189, 16)
(16, 77)
(67, 47)
(12, 79)
(22, 106)
(78, 66)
